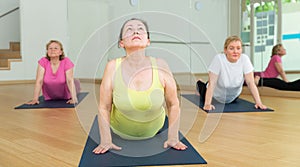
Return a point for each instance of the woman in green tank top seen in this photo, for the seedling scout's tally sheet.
(133, 91)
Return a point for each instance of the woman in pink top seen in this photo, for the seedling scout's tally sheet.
(269, 77)
(55, 76)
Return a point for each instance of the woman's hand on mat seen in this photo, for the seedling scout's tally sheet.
(209, 107)
(103, 148)
(178, 145)
(261, 106)
(72, 101)
(33, 102)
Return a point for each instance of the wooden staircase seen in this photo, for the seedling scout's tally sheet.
(12, 54)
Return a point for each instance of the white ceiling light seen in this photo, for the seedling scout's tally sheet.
(133, 2)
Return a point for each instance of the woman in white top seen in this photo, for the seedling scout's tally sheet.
(227, 73)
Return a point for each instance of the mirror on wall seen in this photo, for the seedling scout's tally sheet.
(291, 34)
(265, 23)
(259, 30)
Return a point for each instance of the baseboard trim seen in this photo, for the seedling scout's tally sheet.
(12, 82)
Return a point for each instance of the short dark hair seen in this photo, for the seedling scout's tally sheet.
(144, 22)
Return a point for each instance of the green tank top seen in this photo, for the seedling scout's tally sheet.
(137, 115)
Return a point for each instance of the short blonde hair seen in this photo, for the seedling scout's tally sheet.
(231, 39)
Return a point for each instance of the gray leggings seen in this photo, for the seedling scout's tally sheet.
(280, 84)
(201, 88)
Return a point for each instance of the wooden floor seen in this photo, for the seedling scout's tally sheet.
(56, 137)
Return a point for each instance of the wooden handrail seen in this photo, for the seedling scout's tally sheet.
(9, 12)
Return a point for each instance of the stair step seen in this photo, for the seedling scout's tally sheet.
(4, 63)
(14, 46)
(9, 55)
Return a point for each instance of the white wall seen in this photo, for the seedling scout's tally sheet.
(40, 22)
(290, 26)
(189, 38)
(10, 23)
(84, 18)
(7, 5)
(89, 30)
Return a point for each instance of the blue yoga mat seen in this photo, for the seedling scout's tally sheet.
(137, 152)
(240, 105)
(53, 103)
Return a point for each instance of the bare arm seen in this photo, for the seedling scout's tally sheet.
(249, 78)
(213, 78)
(38, 85)
(172, 104)
(281, 72)
(71, 86)
(104, 109)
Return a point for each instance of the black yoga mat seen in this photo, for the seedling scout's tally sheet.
(53, 103)
(137, 152)
(240, 105)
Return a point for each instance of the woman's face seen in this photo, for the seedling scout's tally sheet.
(233, 51)
(134, 35)
(54, 50)
(281, 51)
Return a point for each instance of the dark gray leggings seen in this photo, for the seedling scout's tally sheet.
(280, 84)
(201, 88)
